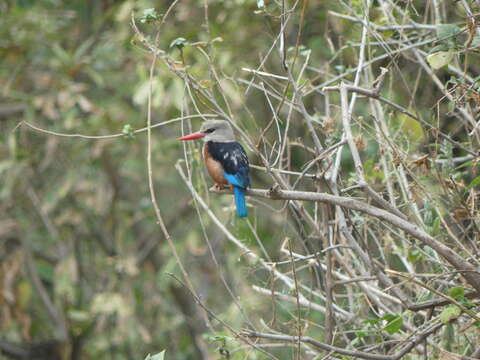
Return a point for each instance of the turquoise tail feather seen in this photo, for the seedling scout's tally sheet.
(240, 202)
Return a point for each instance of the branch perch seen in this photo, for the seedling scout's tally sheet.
(355, 353)
(469, 272)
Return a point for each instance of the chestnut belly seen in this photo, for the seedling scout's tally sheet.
(214, 168)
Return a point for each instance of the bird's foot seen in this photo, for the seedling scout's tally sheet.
(218, 187)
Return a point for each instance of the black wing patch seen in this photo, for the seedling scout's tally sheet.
(233, 158)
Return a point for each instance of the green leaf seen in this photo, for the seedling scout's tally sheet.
(447, 30)
(304, 51)
(159, 356)
(439, 59)
(149, 16)
(457, 292)
(449, 313)
(45, 271)
(61, 54)
(476, 41)
(218, 337)
(474, 183)
(440, 47)
(436, 225)
(394, 324)
(128, 131)
(360, 334)
(178, 43)
(447, 34)
(415, 255)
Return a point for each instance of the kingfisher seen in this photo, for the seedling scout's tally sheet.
(225, 159)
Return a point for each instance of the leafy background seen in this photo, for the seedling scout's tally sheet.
(84, 268)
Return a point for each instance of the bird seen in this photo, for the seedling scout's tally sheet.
(225, 160)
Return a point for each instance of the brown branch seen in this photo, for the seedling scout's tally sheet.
(317, 344)
(429, 288)
(112, 136)
(413, 26)
(439, 302)
(357, 354)
(469, 272)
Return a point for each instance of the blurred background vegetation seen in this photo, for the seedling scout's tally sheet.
(84, 268)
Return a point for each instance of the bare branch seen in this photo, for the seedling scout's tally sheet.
(468, 271)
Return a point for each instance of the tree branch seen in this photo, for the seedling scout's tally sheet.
(469, 272)
(357, 354)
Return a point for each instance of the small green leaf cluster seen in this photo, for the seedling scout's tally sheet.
(453, 311)
(149, 16)
(442, 54)
(128, 131)
(178, 43)
(394, 322)
(447, 35)
(221, 339)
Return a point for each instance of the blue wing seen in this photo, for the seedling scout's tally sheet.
(240, 179)
(234, 162)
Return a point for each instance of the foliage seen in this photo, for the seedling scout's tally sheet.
(374, 103)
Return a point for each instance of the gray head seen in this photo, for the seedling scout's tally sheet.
(217, 130)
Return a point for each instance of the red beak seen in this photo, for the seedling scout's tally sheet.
(192, 136)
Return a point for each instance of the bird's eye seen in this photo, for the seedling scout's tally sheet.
(208, 131)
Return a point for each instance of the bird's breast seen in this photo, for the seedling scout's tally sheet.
(214, 168)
